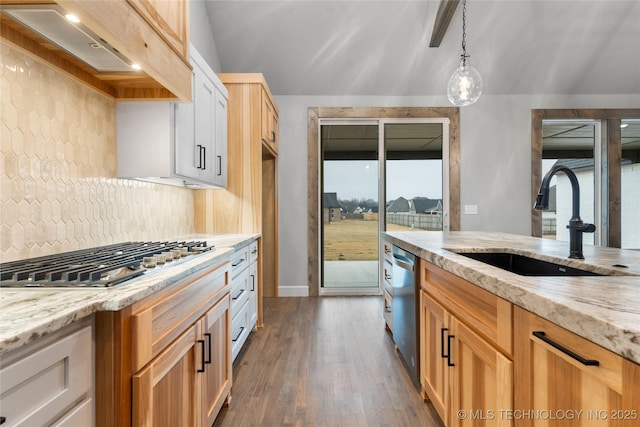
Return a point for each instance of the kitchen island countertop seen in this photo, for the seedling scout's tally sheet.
(602, 309)
(29, 313)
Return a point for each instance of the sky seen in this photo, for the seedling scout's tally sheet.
(407, 178)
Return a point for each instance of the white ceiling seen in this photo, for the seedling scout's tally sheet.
(340, 47)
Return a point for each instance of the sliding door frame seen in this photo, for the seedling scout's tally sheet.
(376, 113)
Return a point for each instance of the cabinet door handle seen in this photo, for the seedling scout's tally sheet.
(202, 354)
(3, 420)
(443, 354)
(239, 333)
(387, 276)
(199, 156)
(253, 283)
(589, 362)
(208, 336)
(449, 338)
(219, 165)
(204, 157)
(273, 136)
(239, 294)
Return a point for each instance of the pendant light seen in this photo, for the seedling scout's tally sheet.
(465, 84)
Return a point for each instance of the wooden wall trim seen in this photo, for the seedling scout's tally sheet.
(536, 169)
(314, 114)
(312, 201)
(614, 171)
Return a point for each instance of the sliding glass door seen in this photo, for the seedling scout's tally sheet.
(376, 175)
(349, 203)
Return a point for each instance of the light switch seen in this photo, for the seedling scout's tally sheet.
(471, 209)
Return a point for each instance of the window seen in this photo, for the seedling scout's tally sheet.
(616, 158)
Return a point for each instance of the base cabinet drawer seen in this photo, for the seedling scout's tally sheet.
(388, 314)
(240, 289)
(52, 385)
(240, 330)
(560, 372)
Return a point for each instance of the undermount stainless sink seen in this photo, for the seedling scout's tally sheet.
(526, 266)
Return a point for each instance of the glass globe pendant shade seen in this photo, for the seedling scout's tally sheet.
(465, 85)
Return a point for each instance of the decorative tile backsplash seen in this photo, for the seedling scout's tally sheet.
(58, 190)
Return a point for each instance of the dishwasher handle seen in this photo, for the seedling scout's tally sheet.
(402, 264)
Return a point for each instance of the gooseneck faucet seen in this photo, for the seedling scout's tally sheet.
(576, 226)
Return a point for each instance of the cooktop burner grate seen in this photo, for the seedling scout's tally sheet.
(101, 266)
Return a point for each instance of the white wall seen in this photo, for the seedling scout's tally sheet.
(495, 170)
(200, 34)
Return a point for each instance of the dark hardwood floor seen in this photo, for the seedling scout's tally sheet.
(323, 361)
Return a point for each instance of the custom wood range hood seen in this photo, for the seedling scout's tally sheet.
(109, 37)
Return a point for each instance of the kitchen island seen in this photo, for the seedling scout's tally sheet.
(602, 309)
(523, 349)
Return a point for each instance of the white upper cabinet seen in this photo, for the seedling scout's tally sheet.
(182, 144)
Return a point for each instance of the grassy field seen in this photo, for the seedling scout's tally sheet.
(356, 240)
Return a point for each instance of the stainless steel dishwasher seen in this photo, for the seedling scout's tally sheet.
(405, 310)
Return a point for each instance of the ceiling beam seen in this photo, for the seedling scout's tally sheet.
(446, 10)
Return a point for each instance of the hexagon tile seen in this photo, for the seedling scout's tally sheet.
(58, 190)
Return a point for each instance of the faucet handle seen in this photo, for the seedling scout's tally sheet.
(588, 228)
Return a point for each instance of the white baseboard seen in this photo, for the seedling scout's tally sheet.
(293, 291)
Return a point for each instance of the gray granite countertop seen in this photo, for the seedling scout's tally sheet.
(27, 314)
(602, 309)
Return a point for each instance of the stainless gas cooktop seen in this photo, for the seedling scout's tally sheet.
(101, 266)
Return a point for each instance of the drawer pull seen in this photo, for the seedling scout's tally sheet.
(239, 333)
(237, 263)
(202, 354)
(208, 336)
(3, 420)
(588, 362)
(239, 294)
(255, 251)
(387, 276)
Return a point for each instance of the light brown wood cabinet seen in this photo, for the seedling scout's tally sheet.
(249, 204)
(170, 19)
(465, 370)
(166, 360)
(187, 384)
(164, 392)
(152, 33)
(562, 375)
(269, 122)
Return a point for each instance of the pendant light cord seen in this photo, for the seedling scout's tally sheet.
(464, 33)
